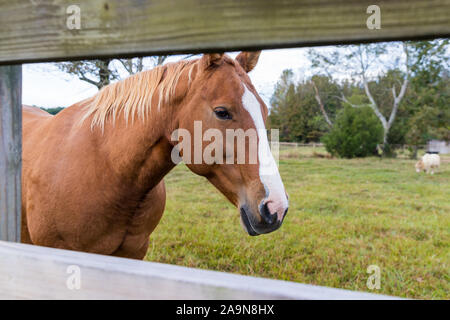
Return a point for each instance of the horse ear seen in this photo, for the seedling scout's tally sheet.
(212, 59)
(248, 60)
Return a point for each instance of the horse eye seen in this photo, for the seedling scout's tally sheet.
(222, 113)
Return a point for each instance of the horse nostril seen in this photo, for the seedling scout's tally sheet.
(265, 214)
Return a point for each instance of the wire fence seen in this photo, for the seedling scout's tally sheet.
(318, 150)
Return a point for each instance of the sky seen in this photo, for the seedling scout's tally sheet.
(45, 86)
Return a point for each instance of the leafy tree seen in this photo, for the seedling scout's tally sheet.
(305, 110)
(429, 101)
(326, 93)
(356, 133)
(294, 108)
(283, 103)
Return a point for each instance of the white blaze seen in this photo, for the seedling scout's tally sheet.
(268, 170)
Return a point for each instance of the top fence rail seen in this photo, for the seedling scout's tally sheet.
(55, 30)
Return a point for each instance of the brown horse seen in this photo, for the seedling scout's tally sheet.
(93, 174)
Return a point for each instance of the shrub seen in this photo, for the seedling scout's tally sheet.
(356, 133)
(53, 110)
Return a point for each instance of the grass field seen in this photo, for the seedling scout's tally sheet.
(344, 215)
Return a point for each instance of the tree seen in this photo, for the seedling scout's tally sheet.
(96, 72)
(100, 73)
(362, 61)
(133, 66)
(331, 91)
(294, 108)
(53, 111)
(280, 102)
(429, 100)
(355, 133)
(411, 100)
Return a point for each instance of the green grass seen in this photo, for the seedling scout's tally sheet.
(344, 215)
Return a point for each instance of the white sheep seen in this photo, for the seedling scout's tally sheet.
(428, 163)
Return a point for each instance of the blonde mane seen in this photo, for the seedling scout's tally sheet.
(133, 96)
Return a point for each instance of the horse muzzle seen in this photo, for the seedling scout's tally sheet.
(266, 222)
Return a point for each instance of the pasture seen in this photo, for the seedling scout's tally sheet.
(344, 215)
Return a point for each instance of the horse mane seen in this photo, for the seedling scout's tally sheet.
(133, 95)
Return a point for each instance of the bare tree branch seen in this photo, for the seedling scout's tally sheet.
(343, 98)
(398, 99)
(321, 106)
(373, 103)
(84, 78)
(127, 64)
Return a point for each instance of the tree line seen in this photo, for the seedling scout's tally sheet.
(401, 90)
(405, 86)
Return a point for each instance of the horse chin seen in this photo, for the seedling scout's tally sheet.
(245, 222)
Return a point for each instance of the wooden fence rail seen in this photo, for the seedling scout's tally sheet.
(47, 30)
(33, 272)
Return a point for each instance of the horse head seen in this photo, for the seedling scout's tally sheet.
(223, 108)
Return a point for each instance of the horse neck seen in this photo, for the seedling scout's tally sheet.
(138, 153)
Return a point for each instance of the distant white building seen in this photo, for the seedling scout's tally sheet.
(438, 146)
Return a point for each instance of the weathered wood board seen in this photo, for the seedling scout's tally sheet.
(10, 151)
(32, 272)
(47, 30)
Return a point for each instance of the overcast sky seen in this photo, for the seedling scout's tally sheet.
(45, 86)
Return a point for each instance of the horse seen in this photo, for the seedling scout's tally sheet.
(92, 177)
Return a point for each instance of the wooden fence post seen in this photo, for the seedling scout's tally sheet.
(10, 151)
